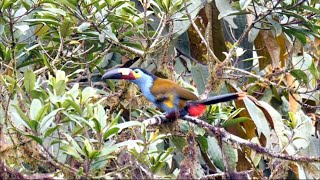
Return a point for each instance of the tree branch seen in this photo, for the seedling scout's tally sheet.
(235, 141)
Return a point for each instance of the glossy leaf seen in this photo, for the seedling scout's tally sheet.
(51, 130)
(203, 142)
(47, 120)
(300, 75)
(35, 108)
(36, 138)
(29, 80)
(23, 116)
(234, 121)
(259, 119)
(110, 132)
(314, 71)
(72, 152)
(84, 26)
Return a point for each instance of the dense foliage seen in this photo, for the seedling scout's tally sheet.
(57, 119)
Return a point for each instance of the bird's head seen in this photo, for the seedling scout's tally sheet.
(135, 75)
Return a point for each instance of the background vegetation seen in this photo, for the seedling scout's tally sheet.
(57, 119)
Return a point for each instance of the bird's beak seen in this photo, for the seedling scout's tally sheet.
(119, 73)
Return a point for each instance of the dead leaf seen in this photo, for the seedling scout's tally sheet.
(273, 48)
(293, 104)
(262, 51)
(281, 40)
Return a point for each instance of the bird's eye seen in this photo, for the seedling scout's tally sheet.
(136, 71)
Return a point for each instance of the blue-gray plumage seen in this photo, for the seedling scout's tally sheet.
(168, 95)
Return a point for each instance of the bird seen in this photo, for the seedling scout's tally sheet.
(168, 95)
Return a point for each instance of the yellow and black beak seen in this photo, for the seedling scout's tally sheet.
(119, 73)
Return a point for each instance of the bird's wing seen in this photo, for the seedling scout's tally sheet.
(164, 87)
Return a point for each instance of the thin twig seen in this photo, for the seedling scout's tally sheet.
(303, 104)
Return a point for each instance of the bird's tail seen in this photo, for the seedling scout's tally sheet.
(221, 98)
(197, 108)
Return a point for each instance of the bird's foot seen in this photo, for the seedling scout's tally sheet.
(172, 116)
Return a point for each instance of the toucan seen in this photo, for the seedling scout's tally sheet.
(168, 95)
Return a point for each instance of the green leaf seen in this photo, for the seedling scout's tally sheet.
(42, 112)
(235, 113)
(167, 154)
(116, 119)
(23, 28)
(100, 115)
(26, 4)
(200, 74)
(225, 9)
(35, 108)
(41, 29)
(36, 138)
(1, 31)
(74, 91)
(87, 148)
(77, 119)
(60, 75)
(49, 131)
(110, 132)
(231, 155)
(259, 119)
(130, 10)
(179, 142)
(55, 11)
(75, 106)
(300, 75)
(97, 125)
(234, 121)
(203, 142)
(300, 36)
(293, 120)
(128, 124)
(110, 35)
(106, 150)
(23, 116)
(86, 94)
(44, 21)
(72, 152)
(60, 87)
(65, 28)
(312, 9)
(74, 144)
(117, 3)
(47, 120)
(214, 152)
(176, 7)
(84, 26)
(34, 125)
(314, 71)
(68, 3)
(199, 131)
(166, 4)
(39, 94)
(6, 4)
(29, 81)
